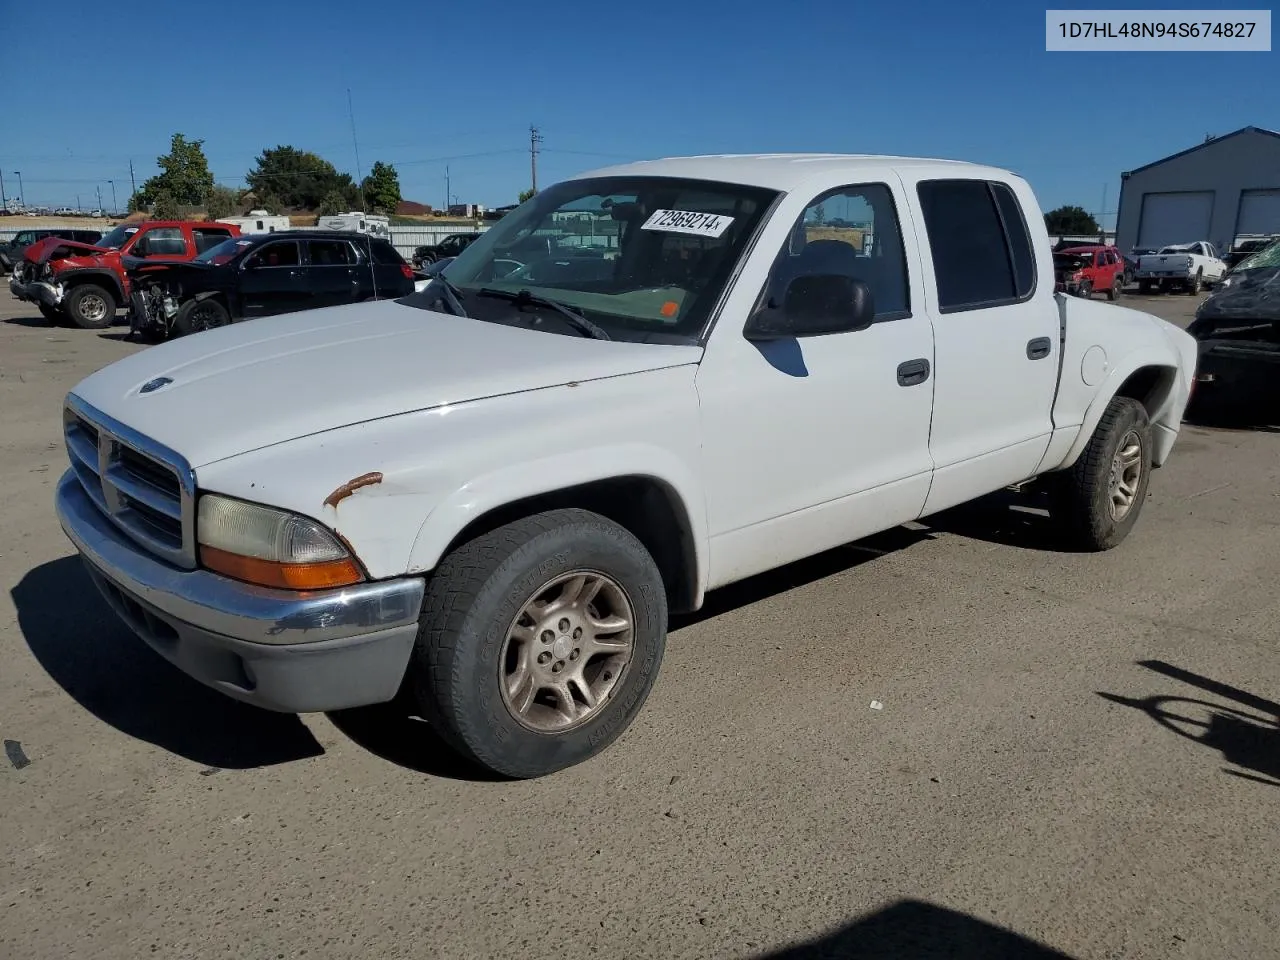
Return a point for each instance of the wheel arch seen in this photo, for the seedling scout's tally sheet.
(103, 278)
(659, 511)
(1150, 379)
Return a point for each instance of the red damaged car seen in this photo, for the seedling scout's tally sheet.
(87, 283)
(1083, 271)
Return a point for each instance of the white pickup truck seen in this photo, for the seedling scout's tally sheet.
(1187, 266)
(481, 502)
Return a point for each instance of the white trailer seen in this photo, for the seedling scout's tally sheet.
(259, 221)
(371, 223)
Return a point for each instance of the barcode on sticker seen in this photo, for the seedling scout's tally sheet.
(688, 221)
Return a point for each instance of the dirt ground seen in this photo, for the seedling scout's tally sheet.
(1067, 755)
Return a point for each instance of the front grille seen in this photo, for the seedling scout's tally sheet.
(145, 489)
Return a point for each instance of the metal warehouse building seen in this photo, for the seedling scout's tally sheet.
(1225, 188)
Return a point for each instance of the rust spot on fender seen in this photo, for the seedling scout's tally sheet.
(351, 486)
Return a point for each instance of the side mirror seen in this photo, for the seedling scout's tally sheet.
(815, 305)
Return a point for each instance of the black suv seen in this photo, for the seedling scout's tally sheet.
(260, 275)
(11, 252)
(450, 246)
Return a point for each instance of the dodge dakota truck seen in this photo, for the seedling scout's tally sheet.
(480, 502)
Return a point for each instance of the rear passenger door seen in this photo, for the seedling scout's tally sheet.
(996, 332)
(331, 276)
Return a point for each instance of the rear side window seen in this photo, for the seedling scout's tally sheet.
(383, 252)
(331, 253)
(980, 244)
(209, 237)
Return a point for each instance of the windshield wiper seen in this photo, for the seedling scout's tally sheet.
(452, 295)
(525, 298)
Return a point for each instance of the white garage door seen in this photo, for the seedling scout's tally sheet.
(1259, 212)
(1174, 218)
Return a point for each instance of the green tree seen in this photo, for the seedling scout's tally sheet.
(221, 202)
(333, 202)
(525, 195)
(165, 206)
(184, 178)
(1071, 220)
(382, 188)
(299, 179)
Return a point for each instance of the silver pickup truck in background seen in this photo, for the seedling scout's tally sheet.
(1186, 266)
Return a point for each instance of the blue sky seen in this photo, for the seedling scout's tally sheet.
(460, 83)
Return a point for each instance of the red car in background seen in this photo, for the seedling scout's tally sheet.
(1084, 270)
(87, 283)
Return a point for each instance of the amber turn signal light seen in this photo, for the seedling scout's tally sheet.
(283, 576)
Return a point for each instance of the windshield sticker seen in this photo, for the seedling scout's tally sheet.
(688, 221)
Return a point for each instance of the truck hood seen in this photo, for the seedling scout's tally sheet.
(261, 382)
(55, 248)
(1248, 295)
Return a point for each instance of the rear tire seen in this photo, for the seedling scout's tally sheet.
(1145, 287)
(197, 315)
(1196, 284)
(513, 692)
(90, 306)
(1098, 500)
(1117, 286)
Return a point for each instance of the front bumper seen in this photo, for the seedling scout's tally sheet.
(37, 291)
(281, 650)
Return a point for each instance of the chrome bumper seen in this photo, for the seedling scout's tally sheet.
(286, 651)
(37, 292)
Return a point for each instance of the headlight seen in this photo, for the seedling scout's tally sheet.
(269, 547)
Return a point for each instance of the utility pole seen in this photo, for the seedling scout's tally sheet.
(351, 112)
(133, 185)
(447, 192)
(1102, 216)
(99, 189)
(535, 138)
(115, 207)
(4, 203)
(79, 209)
(22, 198)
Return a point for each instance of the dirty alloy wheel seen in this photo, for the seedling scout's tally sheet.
(539, 642)
(197, 315)
(90, 306)
(1097, 501)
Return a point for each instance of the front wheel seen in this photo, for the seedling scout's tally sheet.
(1097, 501)
(196, 315)
(90, 306)
(539, 642)
(1085, 290)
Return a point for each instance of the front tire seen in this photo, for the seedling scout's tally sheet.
(540, 642)
(90, 306)
(52, 314)
(1098, 500)
(197, 315)
(1085, 291)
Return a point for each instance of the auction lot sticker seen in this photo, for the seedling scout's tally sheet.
(688, 221)
(1188, 31)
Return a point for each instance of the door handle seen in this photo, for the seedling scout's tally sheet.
(912, 372)
(1039, 348)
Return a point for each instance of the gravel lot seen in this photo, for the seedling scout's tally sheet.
(1024, 777)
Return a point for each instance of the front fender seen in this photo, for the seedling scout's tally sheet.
(439, 469)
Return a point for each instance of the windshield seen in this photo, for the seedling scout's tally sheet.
(224, 251)
(1267, 257)
(26, 236)
(115, 239)
(639, 256)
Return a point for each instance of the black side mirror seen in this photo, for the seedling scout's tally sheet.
(815, 305)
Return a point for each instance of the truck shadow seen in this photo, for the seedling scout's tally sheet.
(917, 930)
(96, 659)
(1010, 518)
(1248, 739)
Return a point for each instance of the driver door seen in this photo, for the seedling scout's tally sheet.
(272, 280)
(812, 442)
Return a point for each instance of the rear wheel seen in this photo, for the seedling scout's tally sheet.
(197, 315)
(1117, 287)
(1145, 287)
(1196, 284)
(1097, 501)
(539, 643)
(90, 306)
